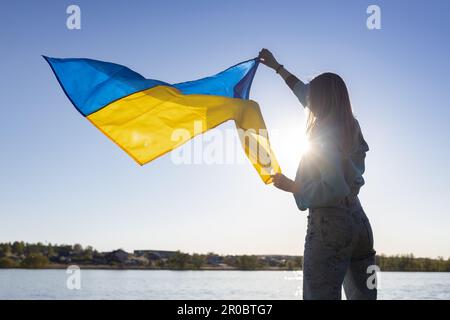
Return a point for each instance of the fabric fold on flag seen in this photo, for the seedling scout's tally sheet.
(148, 118)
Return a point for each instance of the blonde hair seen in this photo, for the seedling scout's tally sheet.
(329, 105)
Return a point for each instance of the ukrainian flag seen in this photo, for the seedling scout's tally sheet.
(141, 115)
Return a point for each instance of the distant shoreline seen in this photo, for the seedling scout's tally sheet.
(21, 255)
(128, 268)
(125, 268)
(184, 270)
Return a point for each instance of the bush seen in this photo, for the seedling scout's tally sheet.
(7, 263)
(35, 261)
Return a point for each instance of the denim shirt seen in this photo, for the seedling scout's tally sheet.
(325, 174)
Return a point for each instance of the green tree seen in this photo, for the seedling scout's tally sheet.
(179, 260)
(77, 248)
(248, 262)
(5, 249)
(50, 250)
(197, 261)
(18, 248)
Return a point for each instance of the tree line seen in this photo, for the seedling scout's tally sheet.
(38, 255)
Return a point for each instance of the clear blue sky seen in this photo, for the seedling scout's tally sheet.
(62, 181)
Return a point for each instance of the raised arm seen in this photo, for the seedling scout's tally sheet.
(299, 88)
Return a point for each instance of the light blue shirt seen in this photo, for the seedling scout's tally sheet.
(326, 175)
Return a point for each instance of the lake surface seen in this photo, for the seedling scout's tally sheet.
(156, 284)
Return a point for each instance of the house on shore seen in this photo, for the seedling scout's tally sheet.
(154, 255)
(119, 256)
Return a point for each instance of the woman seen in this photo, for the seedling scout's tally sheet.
(339, 240)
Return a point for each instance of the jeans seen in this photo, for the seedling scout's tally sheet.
(338, 251)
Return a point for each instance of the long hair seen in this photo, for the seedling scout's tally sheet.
(329, 105)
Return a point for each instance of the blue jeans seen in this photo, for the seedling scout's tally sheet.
(338, 251)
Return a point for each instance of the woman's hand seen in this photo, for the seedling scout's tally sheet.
(283, 183)
(268, 59)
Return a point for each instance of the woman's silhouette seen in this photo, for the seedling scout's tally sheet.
(339, 240)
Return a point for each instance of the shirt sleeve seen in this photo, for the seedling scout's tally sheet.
(301, 90)
(320, 176)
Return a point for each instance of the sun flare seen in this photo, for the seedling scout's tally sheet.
(289, 145)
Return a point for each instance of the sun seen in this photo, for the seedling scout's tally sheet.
(289, 144)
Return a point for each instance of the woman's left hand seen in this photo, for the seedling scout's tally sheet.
(266, 57)
(283, 183)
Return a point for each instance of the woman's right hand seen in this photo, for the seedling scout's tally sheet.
(282, 182)
(266, 57)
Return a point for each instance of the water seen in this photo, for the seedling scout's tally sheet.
(152, 284)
